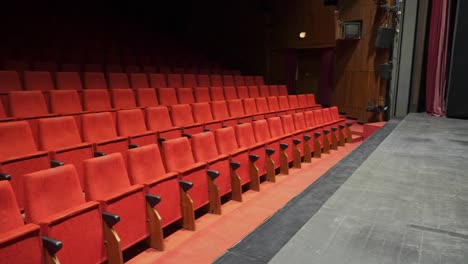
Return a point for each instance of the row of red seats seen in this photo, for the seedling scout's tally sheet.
(135, 193)
(43, 81)
(26, 104)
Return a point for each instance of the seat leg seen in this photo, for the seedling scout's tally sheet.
(270, 169)
(188, 215)
(342, 139)
(317, 148)
(334, 143)
(156, 238)
(284, 164)
(307, 152)
(254, 176)
(296, 157)
(236, 186)
(114, 249)
(215, 199)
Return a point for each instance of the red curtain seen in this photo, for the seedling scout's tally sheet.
(437, 59)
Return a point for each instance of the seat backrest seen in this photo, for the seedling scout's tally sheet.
(310, 119)
(149, 69)
(93, 68)
(216, 80)
(262, 104)
(190, 80)
(177, 154)
(202, 112)
(17, 66)
(182, 115)
(236, 108)
(264, 90)
(228, 80)
(220, 110)
(174, 80)
(146, 97)
(16, 140)
(45, 66)
(2, 110)
(63, 192)
(185, 95)
(293, 102)
(302, 100)
(242, 92)
(9, 81)
(226, 141)
(273, 103)
(319, 116)
(158, 80)
(123, 98)
(283, 102)
(203, 80)
(139, 80)
(299, 121)
(58, 132)
(158, 118)
(70, 67)
(64, 102)
(335, 114)
(217, 93)
(253, 91)
(145, 164)
(9, 211)
(167, 96)
(130, 122)
(202, 94)
(114, 68)
(96, 100)
(245, 135)
(132, 69)
(94, 80)
(276, 127)
(27, 103)
(230, 93)
(38, 80)
(239, 80)
(98, 127)
(204, 146)
(259, 80)
(250, 107)
(283, 90)
(326, 115)
(288, 124)
(68, 81)
(261, 130)
(311, 99)
(249, 80)
(274, 90)
(118, 81)
(165, 69)
(105, 176)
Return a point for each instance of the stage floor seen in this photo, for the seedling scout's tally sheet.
(401, 197)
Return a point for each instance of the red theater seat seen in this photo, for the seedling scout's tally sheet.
(17, 66)
(175, 80)
(217, 93)
(70, 67)
(293, 102)
(182, 116)
(216, 80)
(204, 80)
(118, 81)
(19, 243)
(165, 69)
(65, 102)
(236, 109)
(202, 94)
(139, 80)
(93, 68)
(27, 104)
(190, 80)
(302, 101)
(68, 81)
(40, 81)
(259, 80)
(250, 109)
(221, 112)
(239, 80)
(107, 181)
(96, 100)
(61, 137)
(249, 80)
(123, 98)
(274, 90)
(273, 104)
(228, 80)
(9, 81)
(230, 93)
(149, 69)
(310, 135)
(283, 104)
(167, 96)
(253, 91)
(283, 90)
(158, 80)
(45, 66)
(202, 115)
(262, 107)
(263, 135)
(94, 80)
(114, 68)
(242, 92)
(146, 97)
(311, 100)
(159, 120)
(19, 155)
(264, 91)
(132, 69)
(3, 115)
(131, 123)
(185, 95)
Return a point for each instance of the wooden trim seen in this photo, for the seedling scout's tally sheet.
(284, 164)
(334, 141)
(156, 235)
(114, 249)
(326, 144)
(236, 186)
(341, 138)
(349, 135)
(317, 148)
(51, 259)
(297, 159)
(254, 177)
(215, 199)
(307, 152)
(270, 168)
(188, 215)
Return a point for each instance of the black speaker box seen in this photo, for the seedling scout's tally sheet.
(384, 38)
(330, 2)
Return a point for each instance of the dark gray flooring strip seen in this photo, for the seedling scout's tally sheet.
(439, 231)
(265, 241)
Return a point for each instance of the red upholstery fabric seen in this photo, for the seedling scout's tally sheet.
(262, 135)
(45, 66)
(250, 106)
(185, 95)
(246, 139)
(139, 80)
(175, 80)
(9, 81)
(190, 80)
(311, 99)
(302, 100)
(203, 80)
(158, 119)
(118, 81)
(236, 109)
(68, 81)
(3, 114)
(273, 103)
(217, 93)
(93, 68)
(158, 80)
(249, 80)
(220, 112)
(253, 91)
(182, 117)
(167, 96)
(283, 90)
(132, 69)
(178, 158)
(262, 105)
(319, 117)
(98, 127)
(18, 66)
(277, 131)
(65, 215)
(123, 98)
(239, 80)
(146, 97)
(311, 122)
(94, 80)
(264, 90)
(259, 80)
(202, 94)
(38, 80)
(27, 104)
(146, 167)
(202, 115)
(230, 93)
(9, 211)
(106, 180)
(149, 69)
(326, 115)
(293, 101)
(228, 80)
(204, 150)
(274, 90)
(131, 123)
(70, 67)
(242, 92)
(283, 102)
(114, 68)
(96, 100)
(65, 102)
(216, 80)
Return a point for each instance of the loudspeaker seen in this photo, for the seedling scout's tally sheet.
(330, 2)
(386, 71)
(384, 38)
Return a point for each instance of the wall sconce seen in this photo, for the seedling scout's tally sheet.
(302, 35)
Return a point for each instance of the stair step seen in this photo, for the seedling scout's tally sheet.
(357, 138)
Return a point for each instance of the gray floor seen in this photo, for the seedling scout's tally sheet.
(407, 203)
